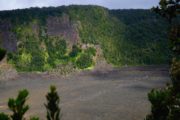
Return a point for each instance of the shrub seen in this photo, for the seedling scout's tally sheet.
(175, 74)
(17, 106)
(2, 53)
(91, 51)
(84, 61)
(160, 104)
(37, 62)
(75, 51)
(34, 118)
(52, 106)
(4, 116)
(56, 50)
(166, 103)
(61, 48)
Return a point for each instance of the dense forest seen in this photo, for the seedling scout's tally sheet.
(43, 38)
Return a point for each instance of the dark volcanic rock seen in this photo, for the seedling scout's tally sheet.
(7, 38)
(62, 27)
(56, 26)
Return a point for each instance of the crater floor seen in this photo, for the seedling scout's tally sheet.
(118, 94)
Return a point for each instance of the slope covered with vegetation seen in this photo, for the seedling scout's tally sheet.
(127, 37)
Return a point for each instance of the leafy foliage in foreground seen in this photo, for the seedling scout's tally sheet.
(52, 106)
(160, 100)
(18, 107)
(166, 102)
(4, 116)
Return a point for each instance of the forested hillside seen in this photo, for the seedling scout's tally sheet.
(145, 37)
(41, 39)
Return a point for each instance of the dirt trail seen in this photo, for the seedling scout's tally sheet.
(96, 95)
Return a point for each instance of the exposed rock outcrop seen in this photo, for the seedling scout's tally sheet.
(62, 27)
(7, 38)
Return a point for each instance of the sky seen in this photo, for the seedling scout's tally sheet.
(111, 4)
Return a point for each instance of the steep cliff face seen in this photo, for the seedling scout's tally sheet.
(62, 27)
(41, 39)
(7, 38)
